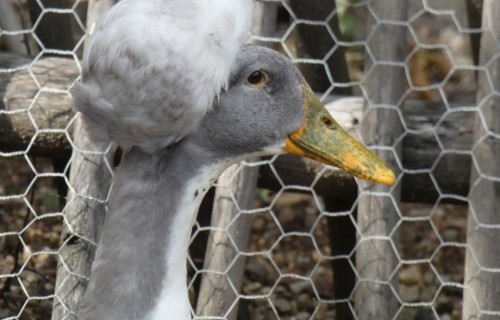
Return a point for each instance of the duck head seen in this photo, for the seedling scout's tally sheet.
(269, 109)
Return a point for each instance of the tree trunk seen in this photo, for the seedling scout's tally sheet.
(381, 126)
(482, 262)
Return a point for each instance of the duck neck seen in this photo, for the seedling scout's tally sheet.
(139, 271)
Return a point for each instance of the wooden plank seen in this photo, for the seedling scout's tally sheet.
(482, 279)
(90, 180)
(381, 126)
(49, 110)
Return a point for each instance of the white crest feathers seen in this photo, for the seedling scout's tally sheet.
(153, 68)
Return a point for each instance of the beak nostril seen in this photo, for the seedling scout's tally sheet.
(327, 121)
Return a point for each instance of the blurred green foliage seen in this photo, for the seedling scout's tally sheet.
(348, 23)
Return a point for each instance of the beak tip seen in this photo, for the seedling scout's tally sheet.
(388, 178)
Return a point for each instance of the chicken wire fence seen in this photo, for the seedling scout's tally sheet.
(416, 80)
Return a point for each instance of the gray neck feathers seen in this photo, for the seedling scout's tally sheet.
(129, 267)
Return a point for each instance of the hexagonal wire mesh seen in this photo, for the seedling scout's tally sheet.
(320, 247)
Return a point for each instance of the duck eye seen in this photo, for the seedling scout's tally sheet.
(257, 79)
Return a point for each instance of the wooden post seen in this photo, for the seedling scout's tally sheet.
(315, 42)
(482, 262)
(90, 179)
(264, 19)
(384, 87)
(54, 33)
(215, 296)
(474, 10)
(95, 10)
(342, 234)
(12, 20)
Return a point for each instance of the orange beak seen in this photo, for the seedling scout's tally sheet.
(322, 139)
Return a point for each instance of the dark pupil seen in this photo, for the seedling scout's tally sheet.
(255, 77)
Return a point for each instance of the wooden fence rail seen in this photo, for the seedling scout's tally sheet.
(18, 91)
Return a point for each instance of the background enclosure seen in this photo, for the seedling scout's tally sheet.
(416, 80)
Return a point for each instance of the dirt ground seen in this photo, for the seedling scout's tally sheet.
(30, 230)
